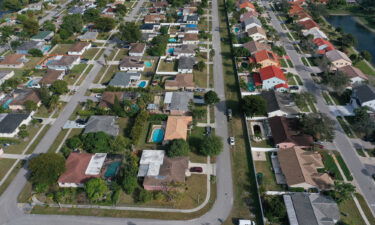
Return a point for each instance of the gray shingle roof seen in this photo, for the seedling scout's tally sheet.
(105, 124)
(279, 101)
(10, 122)
(304, 210)
(180, 101)
(186, 62)
(124, 78)
(252, 20)
(325, 209)
(335, 55)
(363, 93)
(26, 46)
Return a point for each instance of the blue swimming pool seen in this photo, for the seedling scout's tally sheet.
(158, 135)
(170, 50)
(30, 83)
(142, 84)
(112, 169)
(46, 48)
(148, 64)
(6, 104)
(172, 40)
(191, 25)
(236, 29)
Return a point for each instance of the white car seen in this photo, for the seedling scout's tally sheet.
(231, 141)
(98, 95)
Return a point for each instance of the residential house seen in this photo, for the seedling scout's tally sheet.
(337, 59)
(154, 18)
(149, 28)
(5, 75)
(108, 98)
(308, 24)
(79, 48)
(21, 96)
(77, 10)
(323, 46)
(160, 4)
(251, 22)
(184, 51)
(295, 9)
(300, 169)
(355, 75)
(158, 170)
(265, 58)
(191, 39)
(130, 63)
(272, 77)
(89, 36)
(189, 29)
(311, 208)
(279, 103)
(177, 103)
(245, 4)
(177, 128)
(109, 12)
(248, 15)
(315, 32)
(181, 82)
(106, 124)
(186, 64)
(52, 76)
(191, 19)
(80, 168)
(286, 133)
(65, 62)
(13, 61)
(25, 47)
(363, 96)
(255, 46)
(43, 36)
(10, 123)
(257, 33)
(137, 49)
(302, 16)
(125, 79)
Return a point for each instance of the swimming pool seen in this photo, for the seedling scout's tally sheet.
(142, 84)
(236, 29)
(112, 169)
(158, 135)
(172, 40)
(6, 104)
(148, 64)
(170, 50)
(191, 25)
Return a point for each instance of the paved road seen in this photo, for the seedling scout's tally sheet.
(54, 12)
(344, 145)
(11, 214)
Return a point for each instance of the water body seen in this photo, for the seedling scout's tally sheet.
(365, 38)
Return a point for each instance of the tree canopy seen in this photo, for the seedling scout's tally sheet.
(254, 105)
(130, 32)
(59, 87)
(96, 188)
(129, 173)
(97, 142)
(46, 168)
(362, 122)
(211, 145)
(178, 147)
(338, 81)
(318, 125)
(91, 15)
(104, 24)
(158, 45)
(211, 98)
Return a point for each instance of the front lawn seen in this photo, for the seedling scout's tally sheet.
(167, 66)
(90, 53)
(268, 180)
(5, 165)
(330, 166)
(362, 65)
(345, 127)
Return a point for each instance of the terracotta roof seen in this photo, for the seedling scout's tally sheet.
(177, 127)
(287, 130)
(294, 9)
(284, 85)
(247, 5)
(154, 18)
(75, 168)
(190, 37)
(299, 166)
(181, 81)
(256, 79)
(308, 24)
(352, 72)
(270, 72)
(12, 59)
(265, 55)
(77, 47)
(51, 76)
(320, 42)
(302, 15)
(108, 98)
(160, 4)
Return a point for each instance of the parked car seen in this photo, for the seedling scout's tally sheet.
(208, 130)
(231, 141)
(294, 87)
(229, 114)
(98, 95)
(196, 169)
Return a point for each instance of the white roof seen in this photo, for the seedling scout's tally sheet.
(245, 222)
(96, 164)
(316, 32)
(150, 163)
(168, 97)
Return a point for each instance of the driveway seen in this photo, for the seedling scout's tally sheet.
(341, 110)
(209, 169)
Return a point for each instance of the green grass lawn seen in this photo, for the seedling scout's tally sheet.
(268, 180)
(365, 208)
(361, 152)
(304, 60)
(362, 65)
(38, 139)
(344, 167)
(283, 63)
(349, 213)
(167, 66)
(83, 77)
(330, 165)
(61, 136)
(327, 98)
(62, 49)
(90, 53)
(345, 127)
(20, 147)
(10, 177)
(291, 80)
(290, 63)
(200, 77)
(5, 165)
(99, 54)
(109, 74)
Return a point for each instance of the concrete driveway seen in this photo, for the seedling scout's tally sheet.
(341, 110)
(209, 169)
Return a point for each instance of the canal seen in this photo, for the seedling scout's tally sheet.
(365, 38)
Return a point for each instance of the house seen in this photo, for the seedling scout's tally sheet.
(90, 36)
(65, 62)
(265, 58)
(279, 103)
(190, 29)
(181, 82)
(149, 27)
(25, 47)
(192, 39)
(308, 24)
(311, 208)
(248, 15)
(295, 9)
(177, 103)
(109, 12)
(52, 76)
(77, 10)
(108, 98)
(323, 46)
(125, 79)
(177, 128)
(106, 124)
(257, 33)
(363, 95)
(79, 48)
(302, 16)
(13, 61)
(251, 22)
(184, 51)
(300, 169)
(154, 18)
(10, 123)
(43, 36)
(355, 75)
(130, 63)
(81, 167)
(186, 64)
(160, 4)
(191, 19)
(158, 170)
(315, 32)
(137, 49)
(255, 46)
(21, 96)
(5, 75)
(286, 133)
(245, 4)
(272, 76)
(337, 59)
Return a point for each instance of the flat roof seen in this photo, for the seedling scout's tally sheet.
(96, 164)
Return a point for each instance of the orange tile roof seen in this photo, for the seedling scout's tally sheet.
(264, 55)
(308, 24)
(247, 5)
(294, 9)
(270, 72)
(177, 127)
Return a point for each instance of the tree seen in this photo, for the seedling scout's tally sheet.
(143, 196)
(362, 122)
(211, 98)
(49, 26)
(31, 26)
(211, 145)
(338, 82)
(91, 15)
(164, 30)
(129, 173)
(198, 113)
(130, 32)
(96, 188)
(279, 50)
(277, 211)
(241, 52)
(35, 52)
(342, 191)
(104, 24)
(120, 143)
(12, 5)
(59, 87)
(97, 142)
(118, 107)
(366, 55)
(178, 147)
(159, 45)
(23, 134)
(30, 106)
(46, 168)
(254, 105)
(200, 66)
(318, 125)
(74, 142)
(71, 24)
(121, 10)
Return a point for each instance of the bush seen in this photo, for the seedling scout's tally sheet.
(158, 117)
(138, 126)
(143, 196)
(178, 147)
(211, 145)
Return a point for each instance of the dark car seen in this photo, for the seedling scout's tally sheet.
(196, 169)
(373, 176)
(294, 88)
(208, 130)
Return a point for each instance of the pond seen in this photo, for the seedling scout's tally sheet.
(365, 38)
